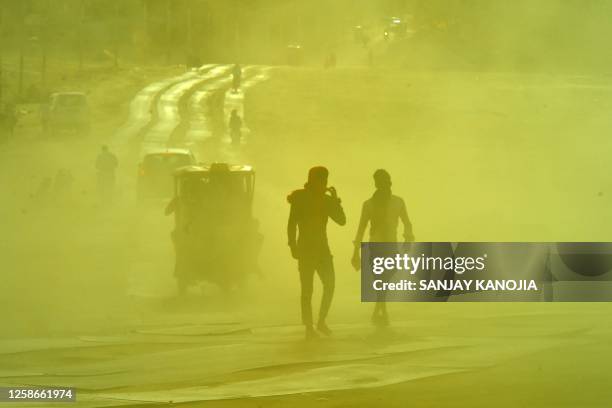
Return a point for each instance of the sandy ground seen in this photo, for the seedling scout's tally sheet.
(476, 156)
(567, 372)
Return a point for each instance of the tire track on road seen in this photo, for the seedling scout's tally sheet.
(158, 135)
(198, 128)
(143, 108)
(191, 108)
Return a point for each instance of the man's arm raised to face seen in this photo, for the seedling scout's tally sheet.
(335, 210)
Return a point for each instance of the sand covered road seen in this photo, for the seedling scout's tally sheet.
(208, 361)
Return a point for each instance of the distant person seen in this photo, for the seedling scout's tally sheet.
(382, 213)
(235, 126)
(311, 207)
(236, 77)
(106, 164)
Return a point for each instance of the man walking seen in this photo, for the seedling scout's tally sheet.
(382, 212)
(311, 207)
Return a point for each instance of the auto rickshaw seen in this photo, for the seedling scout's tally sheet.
(216, 237)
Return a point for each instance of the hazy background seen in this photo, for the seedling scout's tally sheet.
(492, 118)
(548, 35)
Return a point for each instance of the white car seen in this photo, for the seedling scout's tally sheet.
(156, 171)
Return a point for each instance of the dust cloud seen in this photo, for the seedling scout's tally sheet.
(491, 117)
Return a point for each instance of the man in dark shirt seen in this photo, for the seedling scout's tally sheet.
(310, 209)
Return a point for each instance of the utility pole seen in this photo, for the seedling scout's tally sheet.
(146, 24)
(80, 31)
(116, 40)
(44, 42)
(1, 48)
(237, 37)
(190, 48)
(168, 41)
(21, 48)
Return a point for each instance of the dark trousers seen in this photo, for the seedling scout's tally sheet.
(324, 267)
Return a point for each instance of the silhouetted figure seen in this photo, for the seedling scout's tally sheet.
(236, 77)
(382, 212)
(235, 126)
(310, 209)
(106, 164)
